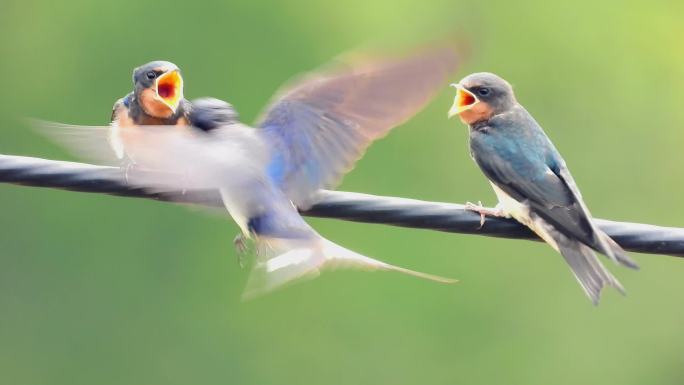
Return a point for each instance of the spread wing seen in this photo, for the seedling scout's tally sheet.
(319, 127)
(94, 143)
(174, 157)
(86, 142)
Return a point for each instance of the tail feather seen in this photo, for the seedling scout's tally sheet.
(588, 270)
(339, 257)
(615, 252)
(585, 265)
(284, 261)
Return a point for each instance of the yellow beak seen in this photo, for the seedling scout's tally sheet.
(463, 101)
(169, 89)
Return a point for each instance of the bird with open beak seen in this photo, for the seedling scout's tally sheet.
(531, 180)
(157, 99)
(313, 132)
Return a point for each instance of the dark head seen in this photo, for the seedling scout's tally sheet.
(480, 96)
(158, 88)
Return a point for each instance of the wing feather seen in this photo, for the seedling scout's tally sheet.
(544, 191)
(323, 123)
(543, 182)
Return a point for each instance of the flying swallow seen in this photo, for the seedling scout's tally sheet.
(531, 180)
(308, 138)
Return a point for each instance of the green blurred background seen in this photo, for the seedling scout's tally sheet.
(104, 290)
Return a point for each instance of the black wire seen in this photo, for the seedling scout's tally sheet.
(348, 206)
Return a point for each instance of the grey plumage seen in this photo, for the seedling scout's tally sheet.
(534, 185)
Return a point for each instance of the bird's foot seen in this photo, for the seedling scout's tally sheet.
(484, 211)
(241, 248)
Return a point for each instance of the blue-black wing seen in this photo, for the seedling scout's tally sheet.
(527, 167)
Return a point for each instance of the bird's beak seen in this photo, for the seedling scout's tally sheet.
(169, 89)
(463, 101)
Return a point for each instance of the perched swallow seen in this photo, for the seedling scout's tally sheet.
(157, 99)
(312, 134)
(531, 180)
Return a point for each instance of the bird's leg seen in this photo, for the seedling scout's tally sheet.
(497, 211)
(127, 164)
(240, 243)
(127, 168)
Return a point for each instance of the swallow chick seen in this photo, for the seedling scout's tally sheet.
(313, 133)
(157, 99)
(531, 180)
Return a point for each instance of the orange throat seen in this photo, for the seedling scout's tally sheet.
(153, 106)
(478, 112)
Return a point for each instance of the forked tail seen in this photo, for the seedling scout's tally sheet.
(585, 264)
(282, 261)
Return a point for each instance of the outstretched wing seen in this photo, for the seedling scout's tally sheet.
(319, 127)
(86, 142)
(177, 157)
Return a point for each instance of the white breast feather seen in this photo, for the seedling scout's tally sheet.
(521, 213)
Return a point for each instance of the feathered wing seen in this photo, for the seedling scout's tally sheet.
(603, 243)
(232, 159)
(86, 142)
(210, 113)
(321, 124)
(543, 184)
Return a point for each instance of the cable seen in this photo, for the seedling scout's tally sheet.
(348, 206)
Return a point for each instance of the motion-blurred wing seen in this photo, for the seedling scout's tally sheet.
(86, 142)
(320, 126)
(175, 157)
(210, 113)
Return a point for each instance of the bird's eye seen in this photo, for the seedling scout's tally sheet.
(151, 75)
(484, 91)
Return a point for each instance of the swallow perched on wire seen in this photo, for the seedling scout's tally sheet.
(531, 180)
(157, 99)
(308, 138)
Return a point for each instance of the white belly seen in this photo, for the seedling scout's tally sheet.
(511, 207)
(521, 213)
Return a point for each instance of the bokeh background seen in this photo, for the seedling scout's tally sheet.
(104, 290)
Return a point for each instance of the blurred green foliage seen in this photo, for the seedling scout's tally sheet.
(103, 290)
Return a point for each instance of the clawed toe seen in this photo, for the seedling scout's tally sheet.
(484, 211)
(478, 208)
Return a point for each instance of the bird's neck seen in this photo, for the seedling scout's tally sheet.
(140, 117)
(498, 119)
(479, 125)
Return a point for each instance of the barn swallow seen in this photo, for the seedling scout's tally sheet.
(531, 180)
(308, 138)
(156, 99)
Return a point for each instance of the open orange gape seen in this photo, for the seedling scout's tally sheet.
(465, 99)
(169, 88)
